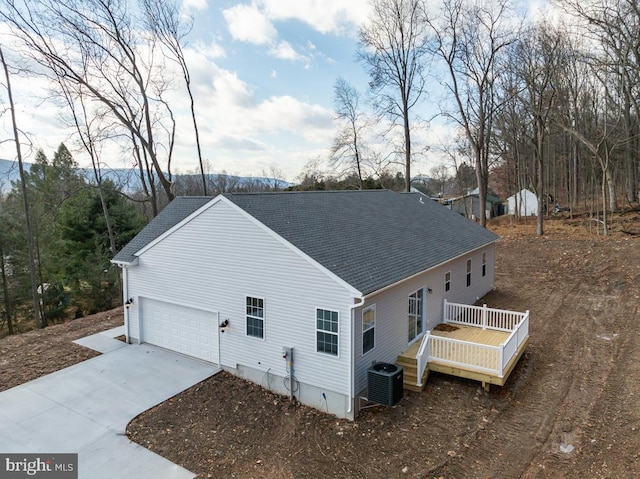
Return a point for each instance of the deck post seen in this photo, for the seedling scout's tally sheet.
(484, 316)
(446, 311)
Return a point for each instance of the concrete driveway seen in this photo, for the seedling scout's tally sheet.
(85, 409)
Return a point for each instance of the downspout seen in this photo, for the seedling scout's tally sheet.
(125, 300)
(218, 333)
(352, 366)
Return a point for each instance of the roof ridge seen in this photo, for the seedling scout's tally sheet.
(271, 193)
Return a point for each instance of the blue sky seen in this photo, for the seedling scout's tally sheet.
(263, 74)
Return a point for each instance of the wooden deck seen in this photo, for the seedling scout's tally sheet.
(487, 354)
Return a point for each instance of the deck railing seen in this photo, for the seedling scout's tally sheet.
(455, 352)
(512, 344)
(482, 316)
(422, 358)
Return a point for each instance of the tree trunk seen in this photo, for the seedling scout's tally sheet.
(540, 174)
(407, 152)
(603, 188)
(197, 133)
(611, 183)
(5, 290)
(25, 201)
(482, 196)
(358, 165)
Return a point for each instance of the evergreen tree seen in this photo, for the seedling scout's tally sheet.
(84, 254)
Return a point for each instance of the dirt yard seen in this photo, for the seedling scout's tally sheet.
(28, 356)
(571, 408)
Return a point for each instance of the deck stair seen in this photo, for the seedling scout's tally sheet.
(410, 378)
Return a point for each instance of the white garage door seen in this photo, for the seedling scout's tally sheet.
(179, 328)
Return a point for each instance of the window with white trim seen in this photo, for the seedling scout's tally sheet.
(255, 317)
(368, 329)
(484, 264)
(327, 331)
(468, 273)
(447, 281)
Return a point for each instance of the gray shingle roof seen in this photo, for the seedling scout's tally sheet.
(370, 239)
(175, 212)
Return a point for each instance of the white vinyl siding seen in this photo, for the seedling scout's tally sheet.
(221, 256)
(391, 308)
(255, 317)
(368, 329)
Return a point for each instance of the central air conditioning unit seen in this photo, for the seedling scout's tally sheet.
(385, 383)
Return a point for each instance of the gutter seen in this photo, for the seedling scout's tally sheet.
(125, 300)
(352, 364)
(121, 263)
(408, 278)
(124, 265)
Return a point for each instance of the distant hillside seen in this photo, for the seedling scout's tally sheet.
(128, 179)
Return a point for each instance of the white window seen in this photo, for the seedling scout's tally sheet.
(484, 264)
(368, 329)
(447, 281)
(327, 331)
(255, 317)
(468, 273)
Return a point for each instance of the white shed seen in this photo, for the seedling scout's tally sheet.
(525, 202)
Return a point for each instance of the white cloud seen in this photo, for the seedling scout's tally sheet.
(540, 11)
(211, 51)
(248, 24)
(194, 4)
(254, 23)
(312, 122)
(285, 51)
(325, 16)
(241, 133)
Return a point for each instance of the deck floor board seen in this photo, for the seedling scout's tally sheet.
(490, 337)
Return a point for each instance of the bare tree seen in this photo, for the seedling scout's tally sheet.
(614, 26)
(539, 61)
(25, 201)
(273, 180)
(603, 134)
(96, 45)
(224, 183)
(393, 48)
(440, 176)
(470, 39)
(165, 21)
(348, 146)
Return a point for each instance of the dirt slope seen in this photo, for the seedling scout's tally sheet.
(569, 410)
